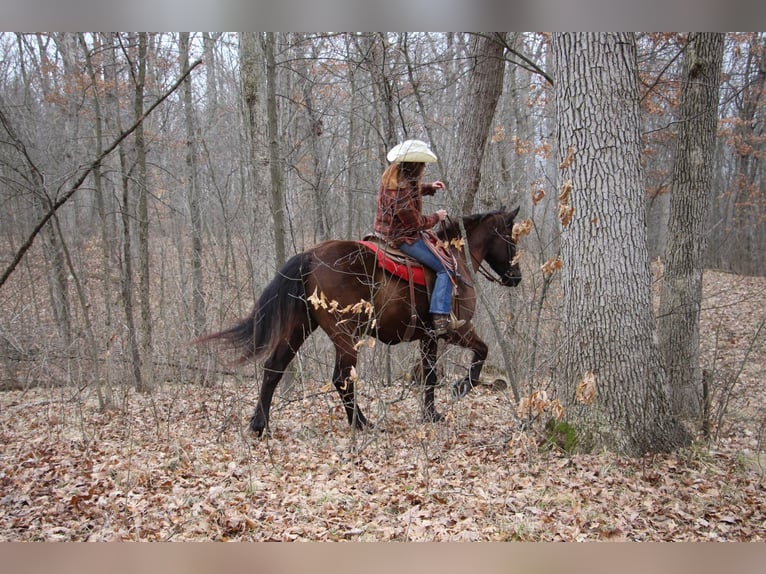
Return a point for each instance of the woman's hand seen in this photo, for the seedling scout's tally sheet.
(438, 184)
(442, 214)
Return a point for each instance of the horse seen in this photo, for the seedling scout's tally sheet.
(338, 286)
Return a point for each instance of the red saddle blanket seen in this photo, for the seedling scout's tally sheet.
(395, 267)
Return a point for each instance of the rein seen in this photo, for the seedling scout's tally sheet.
(488, 274)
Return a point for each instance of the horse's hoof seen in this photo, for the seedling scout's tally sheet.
(257, 427)
(461, 389)
(433, 417)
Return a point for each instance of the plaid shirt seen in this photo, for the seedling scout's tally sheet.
(399, 218)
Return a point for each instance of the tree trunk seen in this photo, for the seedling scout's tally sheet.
(275, 161)
(317, 159)
(687, 227)
(102, 378)
(748, 213)
(195, 212)
(144, 288)
(58, 284)
(126, 214)
(607, 320)
(477, 112)
(252, 63)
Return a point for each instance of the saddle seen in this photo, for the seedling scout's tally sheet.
(400, 265)
(394, 261)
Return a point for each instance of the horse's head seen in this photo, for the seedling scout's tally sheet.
(499, 246)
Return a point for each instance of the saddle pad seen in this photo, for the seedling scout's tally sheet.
(394, 267)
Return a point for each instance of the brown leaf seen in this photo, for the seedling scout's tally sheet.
(565, 214)
(521, 229)
(552, 265)
(586, 389)
(568, 159)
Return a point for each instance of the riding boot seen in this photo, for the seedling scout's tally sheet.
(446, 323)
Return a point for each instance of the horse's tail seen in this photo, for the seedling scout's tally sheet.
(280, 309)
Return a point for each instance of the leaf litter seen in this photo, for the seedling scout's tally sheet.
(180, 465)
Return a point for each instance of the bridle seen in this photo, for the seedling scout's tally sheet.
(488, 274)
(484, 269)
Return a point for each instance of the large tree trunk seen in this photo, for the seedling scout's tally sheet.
(252, 66)
(687, 226)
(608, 321)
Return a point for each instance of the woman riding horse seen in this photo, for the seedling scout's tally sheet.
(400, 222)
(339, 287)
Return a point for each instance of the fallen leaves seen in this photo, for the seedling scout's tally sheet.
(134, 477)
(179, 465)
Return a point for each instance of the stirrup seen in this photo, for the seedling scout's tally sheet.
(443, 324)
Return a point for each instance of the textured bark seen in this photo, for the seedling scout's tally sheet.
(687, 240)
(252, 65)
(476, 114)
(608, 319)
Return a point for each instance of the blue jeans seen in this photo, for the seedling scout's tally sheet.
(441, 298)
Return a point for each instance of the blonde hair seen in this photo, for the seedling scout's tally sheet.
(400, 175)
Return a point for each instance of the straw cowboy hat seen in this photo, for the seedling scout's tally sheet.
(411, 150)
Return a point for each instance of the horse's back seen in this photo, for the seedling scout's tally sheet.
(346, 288)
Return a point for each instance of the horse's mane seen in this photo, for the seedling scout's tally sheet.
(451, 230)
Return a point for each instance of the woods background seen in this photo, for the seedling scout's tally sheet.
(276, 141)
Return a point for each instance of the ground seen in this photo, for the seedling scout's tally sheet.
(179, 464)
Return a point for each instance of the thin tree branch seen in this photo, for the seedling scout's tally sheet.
(83, 176)
(526, 63)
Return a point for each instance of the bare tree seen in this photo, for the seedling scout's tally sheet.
(253, 79)
(142, 188)
(276, 162)
(195, 212)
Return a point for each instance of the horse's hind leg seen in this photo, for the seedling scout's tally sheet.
(345, 360)
(273, 369)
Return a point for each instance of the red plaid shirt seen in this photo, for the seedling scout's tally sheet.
(399, 218)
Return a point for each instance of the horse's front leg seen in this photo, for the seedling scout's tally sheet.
(345, 361)
(428, 349)
(470, 340)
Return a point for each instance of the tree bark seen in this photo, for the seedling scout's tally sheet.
(144, 287)
(193, 190)
(476, 114)
(607, 319)
(275, 160)
(687, 226)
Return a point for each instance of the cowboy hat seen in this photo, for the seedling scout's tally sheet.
(411, 150)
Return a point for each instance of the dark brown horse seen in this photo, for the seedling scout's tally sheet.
(337, 286)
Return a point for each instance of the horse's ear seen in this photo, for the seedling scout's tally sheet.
(513, 214)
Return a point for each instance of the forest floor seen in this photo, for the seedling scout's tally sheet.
(179, 465)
